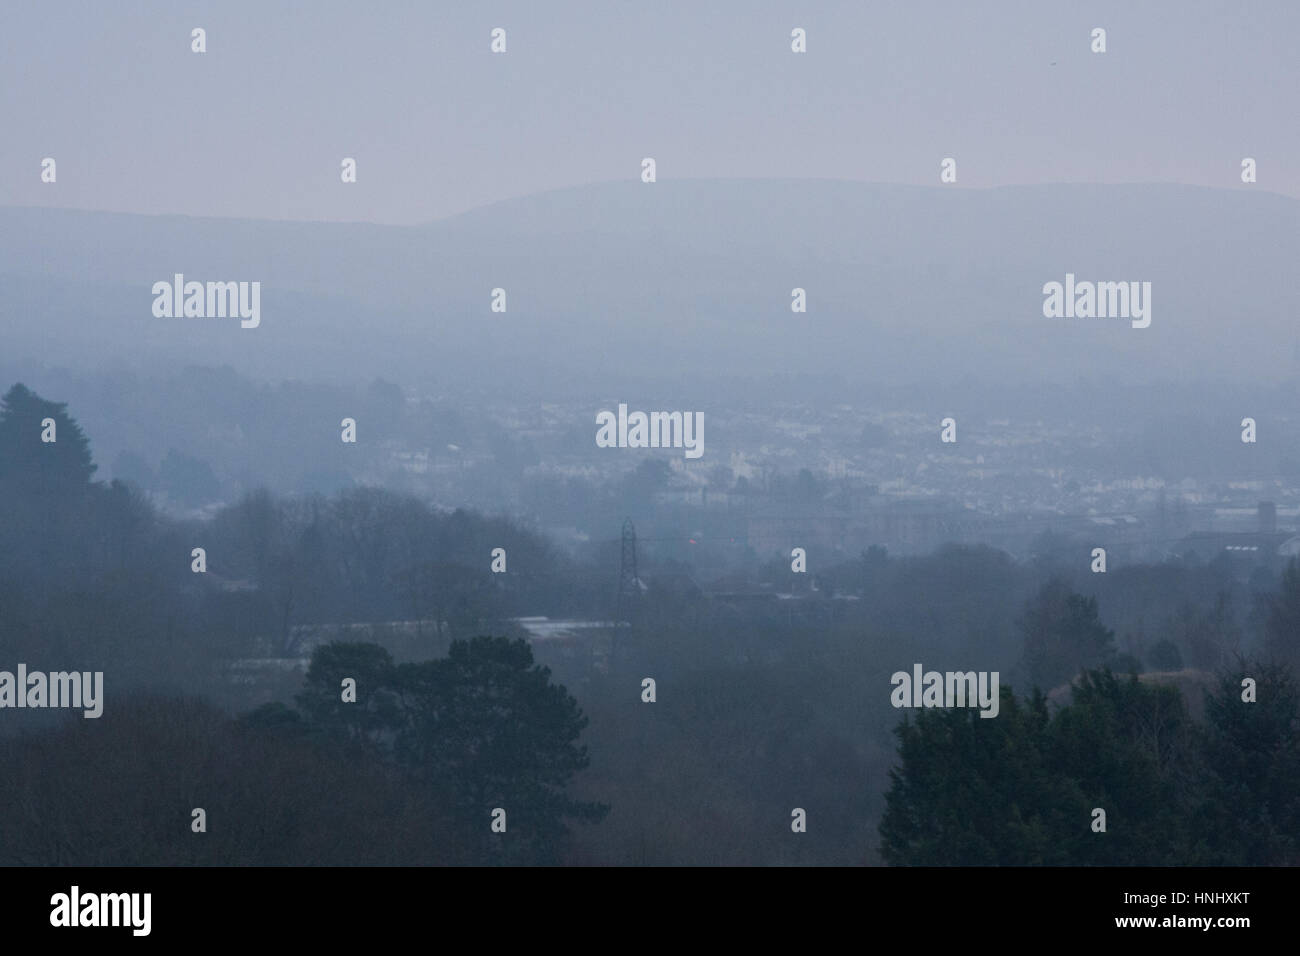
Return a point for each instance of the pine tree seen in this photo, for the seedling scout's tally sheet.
(489, 727)
(29, 465)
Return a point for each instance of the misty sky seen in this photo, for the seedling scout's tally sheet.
(258, 125)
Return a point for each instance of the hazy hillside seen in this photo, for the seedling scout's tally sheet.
(625, 280)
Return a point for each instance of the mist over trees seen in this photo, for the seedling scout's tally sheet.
(225, 690)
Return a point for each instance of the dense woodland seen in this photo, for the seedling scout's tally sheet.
(760, 707)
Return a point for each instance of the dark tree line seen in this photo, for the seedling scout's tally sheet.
(1022, 789)
(93, 576)
(409, 772)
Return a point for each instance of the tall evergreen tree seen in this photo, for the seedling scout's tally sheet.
(489, 728)
(976, 792)
(1252, 808)
(32, 466)
(482, 728)
(1020, 790)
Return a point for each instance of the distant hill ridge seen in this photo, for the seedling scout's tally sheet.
(903, 284)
